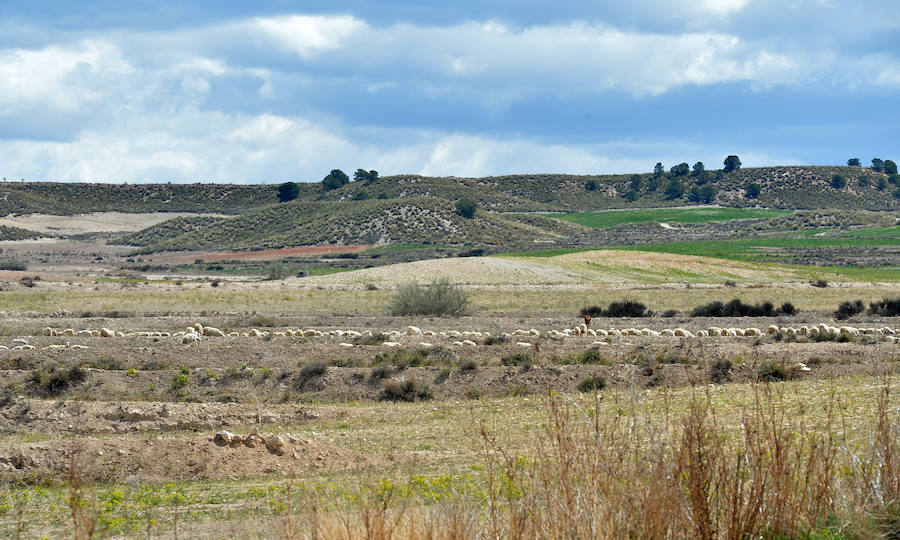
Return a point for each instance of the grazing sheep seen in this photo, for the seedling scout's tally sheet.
(752, 332)
(234, 334)
(425, 345)
(599, 344)
(772, 330)
(534, 332)
(190, 337)
(254, 333)
(18, 342)
(523, 344)
(667, 332)
(391, 344)
(457, 344)
(702, 333)
(209, 331)
(345, 344)
(469, 343)
(48, 331)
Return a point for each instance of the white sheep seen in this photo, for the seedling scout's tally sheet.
(391, 344)
(523, 344)
(345, 345)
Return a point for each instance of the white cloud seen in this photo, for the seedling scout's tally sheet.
(59, 77)
(724, 7)
(306, 35)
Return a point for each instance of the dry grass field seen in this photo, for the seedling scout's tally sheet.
(336, 435)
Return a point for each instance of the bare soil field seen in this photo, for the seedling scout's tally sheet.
(95, 222)
(272, 254)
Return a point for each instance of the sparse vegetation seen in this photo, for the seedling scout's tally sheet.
(591, 384)
(439, 298)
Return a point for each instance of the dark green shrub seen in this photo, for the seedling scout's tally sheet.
(848, 309)
(753, 190)
(521, 359)
(593, 311)
(466, 208)
(53, 380)
(773, 371)
(592, 384)
(863, 180)
(590, 185)
(590, 356)
(838, 182)
(735, 308)
(670, 313)
(18, 266)
(288, 191)
(439, 298)
(820, 283)
(631, 195)
(787, 308)
(627, 308)
(406, 390)
(312, 370)
(888, 307)
(674, 189)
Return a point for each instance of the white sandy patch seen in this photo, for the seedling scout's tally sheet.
(93, 222)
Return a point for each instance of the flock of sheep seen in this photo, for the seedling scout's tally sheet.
(198, 332)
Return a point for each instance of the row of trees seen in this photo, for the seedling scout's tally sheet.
(337, 178)
(886, 166)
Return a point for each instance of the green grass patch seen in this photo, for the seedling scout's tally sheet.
(613, 218)
(875, 232)
(755, 249)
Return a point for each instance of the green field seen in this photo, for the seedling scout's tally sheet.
(613, 218)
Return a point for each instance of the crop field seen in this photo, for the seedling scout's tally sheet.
(612, 218)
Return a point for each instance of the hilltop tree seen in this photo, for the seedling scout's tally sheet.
(890, 167)
(658, 169)
(877, 165)
(753, 190)
(674, 189)
(362, 175)
(732, 163)
(853, 162)
(682, 169)
(288, 191)
(335, 179)
(699, 168)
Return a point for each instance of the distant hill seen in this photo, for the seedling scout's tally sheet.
(426, 220)
(795, 188)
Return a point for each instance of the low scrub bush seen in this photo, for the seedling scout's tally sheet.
(13, 265)
(312, 370)
(439, 298)
(848, 309)
(774, 371)
(736, 308)
(53, 380)
(590, 356)
(592, 384)
(404, 358)
(720, 371)
(522, 359)
(889, 307)
(623, 308)
(406, 390)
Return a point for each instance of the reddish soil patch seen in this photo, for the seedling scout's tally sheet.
(284, 252)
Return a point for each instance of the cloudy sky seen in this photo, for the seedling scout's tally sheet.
(268, 91)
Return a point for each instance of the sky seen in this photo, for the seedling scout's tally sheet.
(271, 91)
